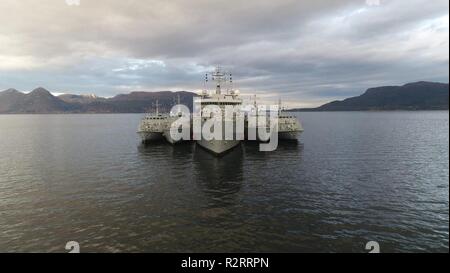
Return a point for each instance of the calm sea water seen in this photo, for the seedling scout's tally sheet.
(352, 178)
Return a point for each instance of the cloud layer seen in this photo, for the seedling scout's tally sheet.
(307, 52)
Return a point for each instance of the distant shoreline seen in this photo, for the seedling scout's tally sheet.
(417, 96)
(414, 96)
(289, 110)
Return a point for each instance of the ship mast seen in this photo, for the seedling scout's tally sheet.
(231, 84)
(205, 90)
(218, 76)
(279, 106)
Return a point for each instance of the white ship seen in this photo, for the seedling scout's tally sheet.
(157, 126)
(152, 126)
(289, 127)
(221, 100)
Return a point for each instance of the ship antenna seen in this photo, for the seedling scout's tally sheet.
(205, 91)
(231, 83)
(279, 105)
(218, 77)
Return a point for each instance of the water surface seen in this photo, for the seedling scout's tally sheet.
(353, 177)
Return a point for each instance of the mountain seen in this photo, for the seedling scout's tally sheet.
(41, 101)
(411, 96)
(9, 99)
(81, 99)
(137, 102)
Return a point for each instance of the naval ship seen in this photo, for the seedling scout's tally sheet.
(230, 97)
(157, 126)
(152, 126)
(289, 127)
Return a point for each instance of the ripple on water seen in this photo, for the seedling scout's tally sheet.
(352, 177)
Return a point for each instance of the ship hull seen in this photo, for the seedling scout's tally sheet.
(288, 135)
(150, 136)
(218, 147)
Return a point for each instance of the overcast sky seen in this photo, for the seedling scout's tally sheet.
(307, 52)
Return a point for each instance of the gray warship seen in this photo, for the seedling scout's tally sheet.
(157, 126)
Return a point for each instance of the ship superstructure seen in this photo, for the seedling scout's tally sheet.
(158, 126)
(220, 99)
(152, 126)
(289, 127)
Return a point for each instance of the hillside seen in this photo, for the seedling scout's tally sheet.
(411, 96)
(41, 101)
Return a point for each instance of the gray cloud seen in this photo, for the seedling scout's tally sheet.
(306, 51)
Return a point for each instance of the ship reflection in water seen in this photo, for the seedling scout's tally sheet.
(222, 175)
(217, 176)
